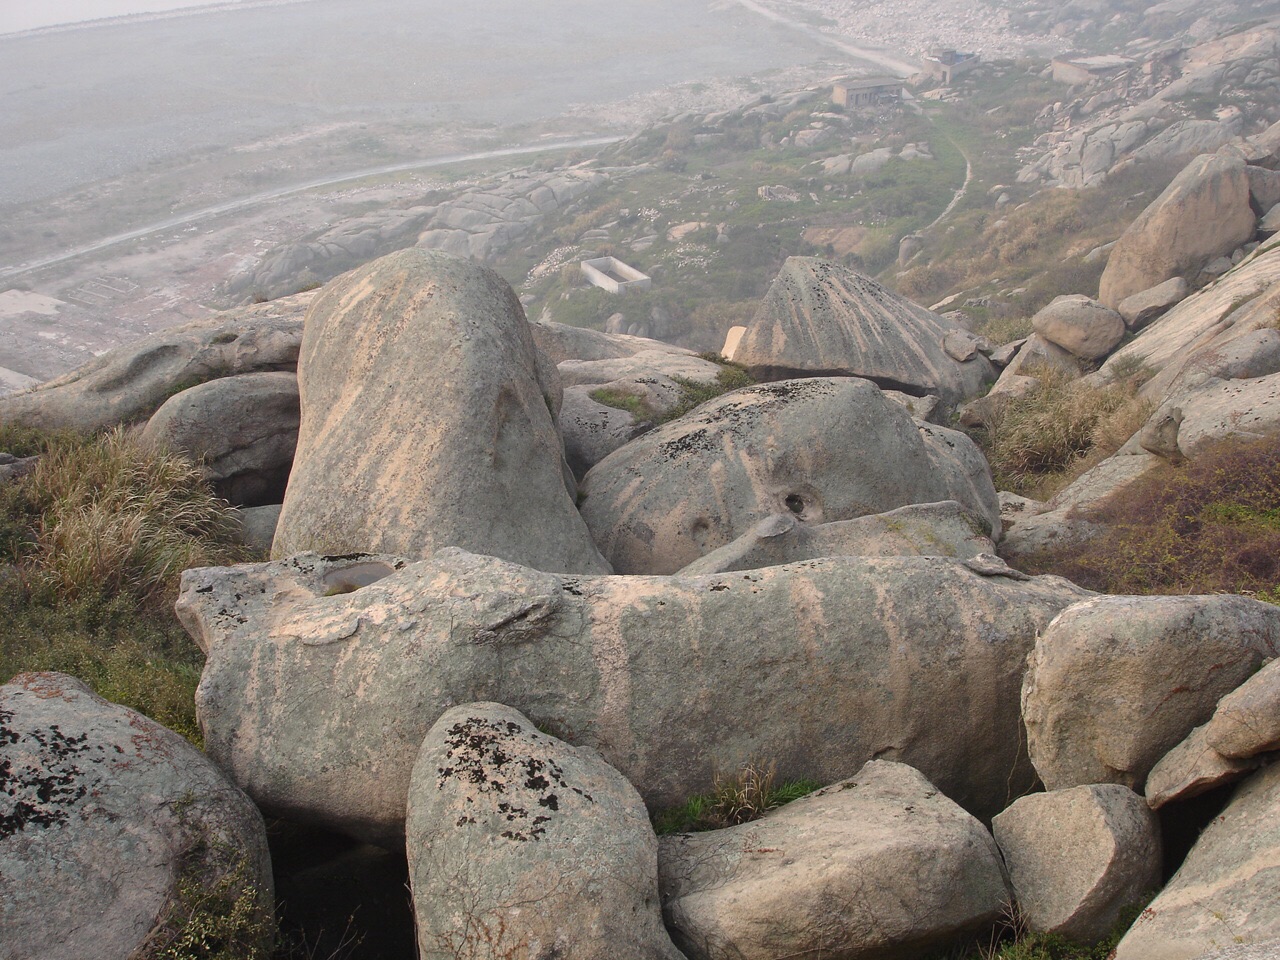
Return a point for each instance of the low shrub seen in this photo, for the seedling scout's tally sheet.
(91, 547)
(748, 795)
(1043, 441)
(1209, 525)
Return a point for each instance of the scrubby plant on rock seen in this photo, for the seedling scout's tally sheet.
(1204, 526)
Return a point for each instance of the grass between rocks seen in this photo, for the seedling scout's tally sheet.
(732, 376)
(91, 548)
(1037, 445)
(747, 795)
(1210, 525)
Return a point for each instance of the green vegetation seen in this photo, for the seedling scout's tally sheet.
(732, 376)
(91, 547)
(1210, 525)
(748, 795)
(1039, 444)
(217, 913)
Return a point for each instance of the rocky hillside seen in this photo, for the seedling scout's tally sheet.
(869, 634)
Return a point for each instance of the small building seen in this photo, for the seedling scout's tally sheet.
(866, 92)
(945, 64)
(1076, 70)
(611, 274)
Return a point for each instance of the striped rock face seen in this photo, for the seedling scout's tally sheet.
(429, 420)
(318, 691)
(822, 319)
(821, 449)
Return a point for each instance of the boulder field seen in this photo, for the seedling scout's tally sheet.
(507, 676)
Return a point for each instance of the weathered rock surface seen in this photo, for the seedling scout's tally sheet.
(1227, 891)
(429, 420)
(1247, 720)
(878, 865)
(908, 658)
(561, 342)
(477, 223)
(258, 526)
(1080, 325)
(242, 429)
(521, 845)
(1243, 301)
(1139, 309)
(822, 319)
(1204, 213)
(129, 383)
(943, 529)
(593, 430)
(822, 449)
(1190, 769)
(646, 363)
(1116, 682)
(105, 818)
(1078, 858)
(1036, 354)
(1221, 409)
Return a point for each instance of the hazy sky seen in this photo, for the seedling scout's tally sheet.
(16, 15)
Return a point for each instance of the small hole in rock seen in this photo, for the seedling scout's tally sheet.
(795, 504)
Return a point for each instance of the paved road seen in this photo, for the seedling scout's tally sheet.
(15, 270)
(897, 66)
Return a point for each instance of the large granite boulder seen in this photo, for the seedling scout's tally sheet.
(324, 674)
(1116, 682)
(1079, 858)
(1139, 309)
(114, 831)
(593, 430)
(943, 529)
(1204, 213)
(561, 342)
(242, 430)
(1227, 891)
(878, 865)
(1247, 720)
(128, 384)
(821, 449)
(820, 319)
(429, 420)
(1080, 325)
(519, 842)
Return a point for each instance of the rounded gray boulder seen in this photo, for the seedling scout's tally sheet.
(429, 420)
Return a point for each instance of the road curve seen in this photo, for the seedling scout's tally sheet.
(15, 270)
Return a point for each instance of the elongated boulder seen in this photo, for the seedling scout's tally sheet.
(1115, 683)
(821, 319)
(128, 384)
(1204, 213)
(878, 865)
(821, 449)
(521, 845)
(242, 430)
(1247, 720)
(943, 529)
(1227, 891)
(1078, 858)
(324, 674)
(114, 830)
(428, 420)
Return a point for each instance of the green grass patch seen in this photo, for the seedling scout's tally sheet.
(748, 795)
(92, 544)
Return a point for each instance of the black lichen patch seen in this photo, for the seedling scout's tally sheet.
(39, 791)
(487, 757)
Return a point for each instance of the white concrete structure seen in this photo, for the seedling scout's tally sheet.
(610, 273)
